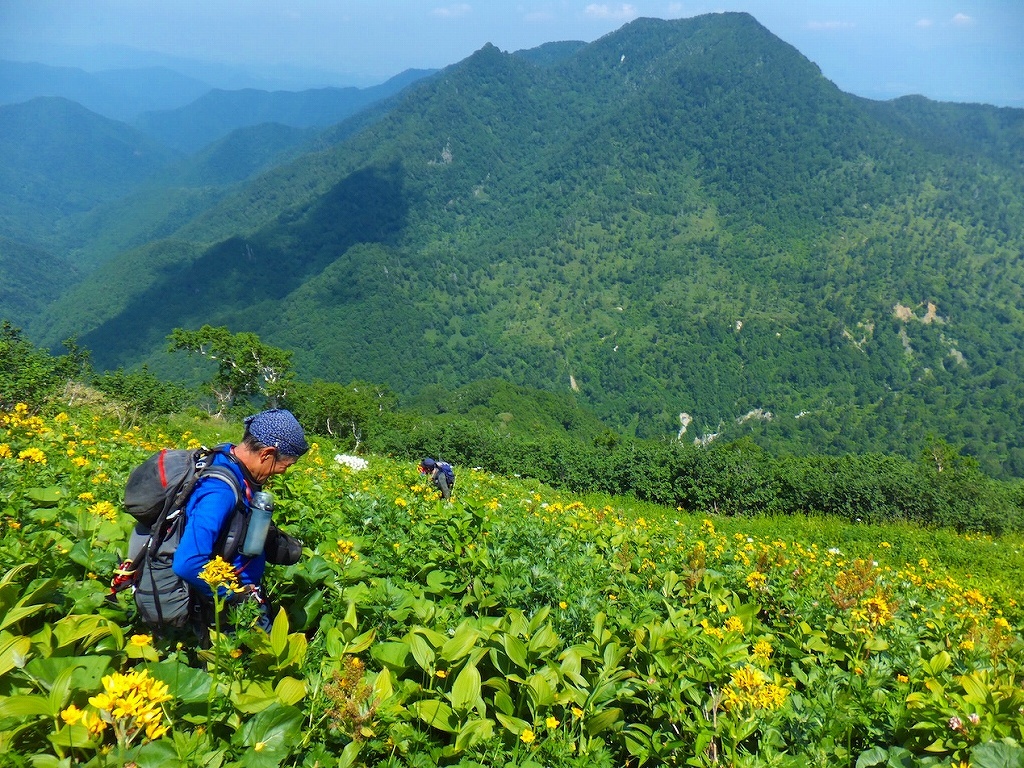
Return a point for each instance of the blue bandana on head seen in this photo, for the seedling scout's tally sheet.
(279, 428)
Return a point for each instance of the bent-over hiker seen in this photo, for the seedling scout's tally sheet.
(272, 442)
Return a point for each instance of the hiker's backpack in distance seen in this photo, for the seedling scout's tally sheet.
(155, 495)
(449, 473)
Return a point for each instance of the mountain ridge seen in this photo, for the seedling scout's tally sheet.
(681, 217)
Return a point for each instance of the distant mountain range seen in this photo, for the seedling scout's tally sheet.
(683, 223)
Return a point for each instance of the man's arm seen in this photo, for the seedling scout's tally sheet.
(207, 512)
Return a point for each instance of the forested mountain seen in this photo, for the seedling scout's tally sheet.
(57, 158)
(683, 222)
(218, 112)
(30, 279)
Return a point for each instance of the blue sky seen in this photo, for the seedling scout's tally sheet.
(968, 50)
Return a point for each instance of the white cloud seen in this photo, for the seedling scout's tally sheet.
(624, 11)
(924, 23)
(962, 20)
(818, 25)
(452, 11)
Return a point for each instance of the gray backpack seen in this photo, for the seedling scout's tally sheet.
(156, 495)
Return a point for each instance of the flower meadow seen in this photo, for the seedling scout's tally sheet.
(511, 626)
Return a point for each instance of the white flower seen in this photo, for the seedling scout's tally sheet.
(355, 463)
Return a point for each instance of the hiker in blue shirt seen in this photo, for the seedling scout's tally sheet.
(273, 441)
(441, 473)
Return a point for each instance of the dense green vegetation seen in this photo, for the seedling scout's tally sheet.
(681, 217)
(513, 625)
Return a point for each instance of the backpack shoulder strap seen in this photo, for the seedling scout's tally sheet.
(225, 474)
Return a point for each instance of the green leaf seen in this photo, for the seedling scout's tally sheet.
(977, 691)
(474, 732)
(421, 652)
(466, 688)
(290, 691)
(541, 692)
(461, 643)
(14, 653)
(516, 650)
(938, 663)
(28, 705)
(184, 683)
(393, 655)
(513, 725)
(871, 757)
(279, 635)
(436, 714)
(995, 754)
(603, 720)
(44, 497)
(270, 736)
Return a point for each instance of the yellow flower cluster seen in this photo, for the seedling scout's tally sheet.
(104, 509)
(218, 573)
(345, 553)
(748, 688)
(130, 702)
(874, 611)
(32, 456)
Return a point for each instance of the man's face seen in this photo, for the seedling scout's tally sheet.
(272, 463)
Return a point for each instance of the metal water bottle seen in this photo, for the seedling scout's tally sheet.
(260, 510)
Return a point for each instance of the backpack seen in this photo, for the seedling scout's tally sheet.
(449, 473)
(155, 495)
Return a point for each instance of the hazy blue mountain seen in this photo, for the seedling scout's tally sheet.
(117, 94)
(218, 112)
(681, 218)
(57, 158)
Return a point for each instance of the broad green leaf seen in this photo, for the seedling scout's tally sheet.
(473, 732)
(977, 691)
(938, 663)
(513, 725)
(290, 691)
(541, 692)
(461, 643)
(28, 705)
(466, 688)
(184, 683)
(349, 754)
(421, 652)
(436, 714)
(872, 757)
(14, 653)
(270, 736)
(994, 754)
(44, 497)
(279, 634)
(393, 655)
(602, 720)
(516, 650)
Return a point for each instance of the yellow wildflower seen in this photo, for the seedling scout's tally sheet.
(551, 722)
(734, 624)
(32, 456)
(219, 574)
(71, 715)
(527, 736)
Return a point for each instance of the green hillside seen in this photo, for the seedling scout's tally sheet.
(683, 222)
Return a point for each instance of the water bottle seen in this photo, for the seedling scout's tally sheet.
(261, 509)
